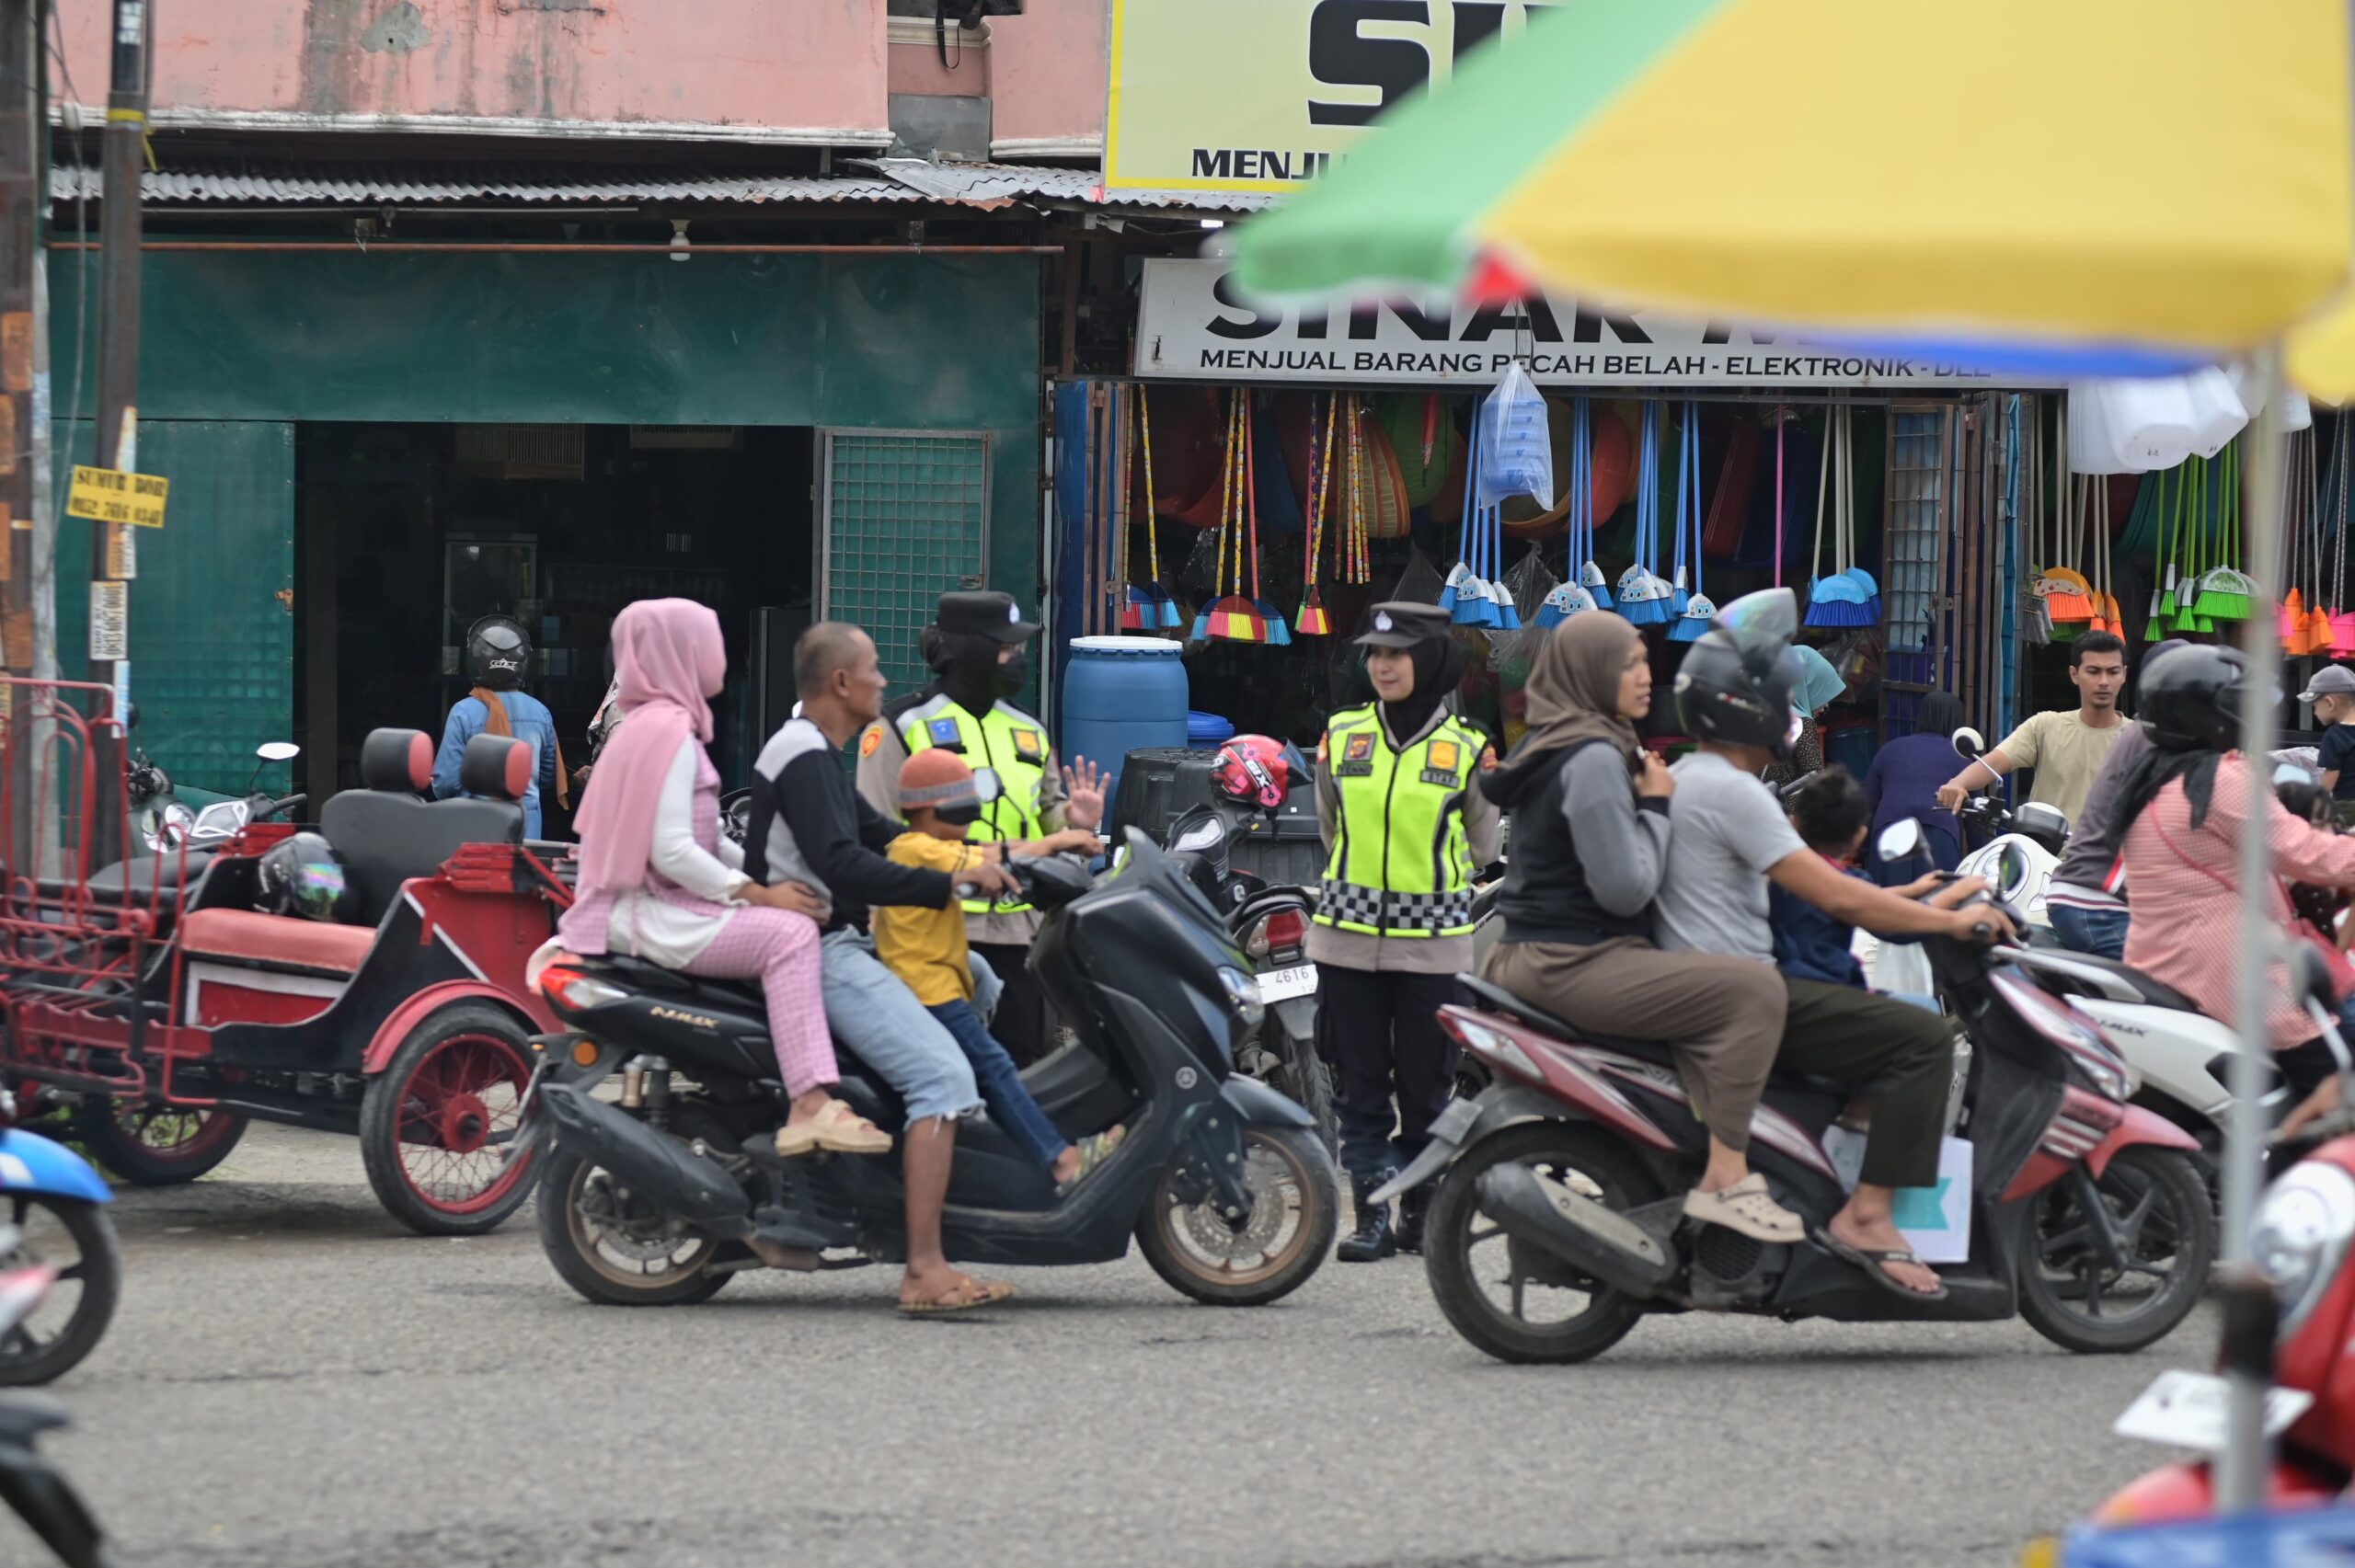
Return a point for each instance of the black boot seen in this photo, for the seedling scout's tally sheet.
(1372, 1240)
(1413, 1210)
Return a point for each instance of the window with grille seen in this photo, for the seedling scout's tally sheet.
(904, 519)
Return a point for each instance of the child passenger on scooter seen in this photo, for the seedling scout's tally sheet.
(926, 949)
(1832, 819)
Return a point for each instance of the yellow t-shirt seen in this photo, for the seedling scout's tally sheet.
(926, 947)
(2066, 752)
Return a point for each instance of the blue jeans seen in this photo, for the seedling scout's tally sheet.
(2101, 933)
(872, 1011)
(1001, 1083)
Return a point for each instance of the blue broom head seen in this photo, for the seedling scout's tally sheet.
(1597, 586)
(1171, 616)
(1825, 612)
(1646, 602)
(1507, 618)
(1678, 597)
(1201, 631)
(1453, 594)
(1839, 587)
(1699, 615)
(1472, 607)
(1278, 630)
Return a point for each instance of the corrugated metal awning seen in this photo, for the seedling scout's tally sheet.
(552, 185)
(992, 184)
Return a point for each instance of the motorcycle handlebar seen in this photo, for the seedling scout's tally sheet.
(286, 802)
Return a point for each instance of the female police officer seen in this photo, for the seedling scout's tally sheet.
(1405, 831)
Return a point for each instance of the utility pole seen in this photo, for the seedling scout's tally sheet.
(112, 563)
(20, 172)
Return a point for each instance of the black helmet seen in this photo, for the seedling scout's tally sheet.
(496, 653)
(300, 876)
(1738, 699)
(2191, 698)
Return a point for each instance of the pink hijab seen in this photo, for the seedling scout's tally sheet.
(670, 660)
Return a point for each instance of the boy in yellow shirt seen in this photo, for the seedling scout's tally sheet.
(926, 949)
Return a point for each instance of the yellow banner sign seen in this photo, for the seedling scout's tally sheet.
(1260, 95)
(108, 495)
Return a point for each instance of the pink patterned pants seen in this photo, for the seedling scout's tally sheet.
(779, 948)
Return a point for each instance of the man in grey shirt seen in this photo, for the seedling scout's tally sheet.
(1730, 837)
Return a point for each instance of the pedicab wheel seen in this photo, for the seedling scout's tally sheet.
(438, 1126)
(1271, 1252)
(1512, 1300)
(616, 1248)
(2164, 1219)
(156, 1146)
(75, 1237)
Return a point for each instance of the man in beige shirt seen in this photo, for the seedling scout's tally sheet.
(2066, 748)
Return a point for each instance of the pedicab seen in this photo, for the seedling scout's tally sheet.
(154, 997)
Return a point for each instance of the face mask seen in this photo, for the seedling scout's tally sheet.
(1014, 674)
(960, 815)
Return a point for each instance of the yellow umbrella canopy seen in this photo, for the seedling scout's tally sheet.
(2160, 181)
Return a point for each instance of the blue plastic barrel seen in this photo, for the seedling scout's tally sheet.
(1122, 695)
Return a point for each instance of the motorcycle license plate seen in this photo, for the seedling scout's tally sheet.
(1280, 985)
(2187, 1410)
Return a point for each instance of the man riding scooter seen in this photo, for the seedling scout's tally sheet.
(810, 826)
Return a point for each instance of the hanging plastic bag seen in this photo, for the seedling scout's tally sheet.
(1516, 443)
(2151, 423)
(2218, 414)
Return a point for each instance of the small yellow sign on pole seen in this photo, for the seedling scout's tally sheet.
(110, 495)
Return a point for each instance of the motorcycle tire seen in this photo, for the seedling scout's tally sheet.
(1306, 1079)
(26, 1360)
(2179, 1202)
(435, 1086)
(572, 1251)
(1623, 1182)
(1169, 1232)
(156, 1146)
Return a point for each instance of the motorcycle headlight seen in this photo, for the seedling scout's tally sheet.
(171, 828)
(2303, 1231)
(1242, 996)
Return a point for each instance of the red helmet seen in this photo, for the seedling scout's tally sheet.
(1252, 769)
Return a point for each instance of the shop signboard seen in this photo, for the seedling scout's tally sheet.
(1194, 324)
(1260, 95)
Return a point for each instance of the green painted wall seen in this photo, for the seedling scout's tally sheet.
(890, 342)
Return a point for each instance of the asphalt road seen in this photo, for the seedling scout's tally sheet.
(293, 1381)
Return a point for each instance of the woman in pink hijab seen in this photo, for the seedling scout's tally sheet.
(659, 881)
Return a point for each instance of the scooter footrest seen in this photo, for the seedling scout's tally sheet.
(788, 1228)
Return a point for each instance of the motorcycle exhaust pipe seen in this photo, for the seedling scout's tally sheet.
(1593, 1239)
(663, 1169)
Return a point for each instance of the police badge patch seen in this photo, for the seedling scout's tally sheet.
(1357, 757)
(1027, 745)
(943, 735)
(1443, 759)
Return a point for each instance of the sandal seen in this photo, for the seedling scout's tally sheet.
(1746, 1208)
(1875, 1265)
(1093, 1149)
(962, 1296)
(837, 1129)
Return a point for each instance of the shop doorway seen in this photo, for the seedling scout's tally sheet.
(405, 533)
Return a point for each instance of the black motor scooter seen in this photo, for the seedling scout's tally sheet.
(1268, 919)
(664, 1196)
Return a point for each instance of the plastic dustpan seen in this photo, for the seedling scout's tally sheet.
(1700, 614)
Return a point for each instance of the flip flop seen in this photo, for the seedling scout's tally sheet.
(961, 1298)
(1874, 1264)
(838, 1129)
(1093, 1149)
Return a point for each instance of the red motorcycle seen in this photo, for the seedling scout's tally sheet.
(152, 997)
(2302, 1323)
(1559, 1220)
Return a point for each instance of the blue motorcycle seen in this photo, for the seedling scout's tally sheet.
(53, 1217)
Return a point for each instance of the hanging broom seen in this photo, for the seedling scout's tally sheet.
(1277, 632)
(1837, 600)
(1855, 573)
(2067, 593)
(1312, 620)
(2227, 593)
(1582, 568)
(2154, 627)
(1643, 594)
(1235, 618)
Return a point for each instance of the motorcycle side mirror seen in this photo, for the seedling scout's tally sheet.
(1968, 743)
(988, 784)
(1900, 840)
(278, 750)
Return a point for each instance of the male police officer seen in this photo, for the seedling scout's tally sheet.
(976, 648)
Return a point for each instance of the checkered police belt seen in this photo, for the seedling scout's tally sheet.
(1372, 909)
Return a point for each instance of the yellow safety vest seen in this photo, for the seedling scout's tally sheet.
(1005, 739)
(1401, 865)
